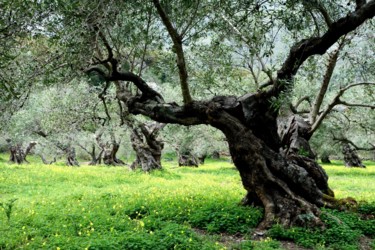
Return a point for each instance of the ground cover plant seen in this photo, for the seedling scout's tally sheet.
(98, 207)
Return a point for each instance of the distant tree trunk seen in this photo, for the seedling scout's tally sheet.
(95, 159)
(325, 158)
(109, 157)
(351, 158)
(215, 155)
(17, 154)
(147, 146)
(71, 159)
(187, 159)
(202, 158)
(108, 151)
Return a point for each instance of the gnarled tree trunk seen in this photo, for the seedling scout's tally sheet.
(109, 151)
(147, 146)
(351, 158)
(325, 159)
(17, 153)
(187, 159)
(215, 155)
(109, 157)
(71, 158)
(202, 158)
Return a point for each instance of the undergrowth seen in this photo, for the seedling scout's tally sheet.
(99, 207)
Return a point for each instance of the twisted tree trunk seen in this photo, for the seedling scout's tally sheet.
(325, 158)
(351, 158)
(187, 159)
(17, 153)
(108, 152)
(71, 158)
(147, 146)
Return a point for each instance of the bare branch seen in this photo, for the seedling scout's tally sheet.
(294, 108)
(102, 97)
(189, 24)
(356, 104)
(315, 22)
(265, 69)
(325, 14)
(336, 100)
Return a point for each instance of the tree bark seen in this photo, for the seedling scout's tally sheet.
(108, 151)
(351, 158)
(17, 153)
(187, 159)
(147, 146)
(295, 135)
(71, 159)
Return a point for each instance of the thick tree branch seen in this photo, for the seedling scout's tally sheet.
(319, 45)
(326, 81)
(177, 45)
(359, 3)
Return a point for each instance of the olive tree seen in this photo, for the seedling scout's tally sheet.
(100, 36)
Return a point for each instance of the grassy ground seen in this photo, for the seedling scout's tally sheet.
(98, 207)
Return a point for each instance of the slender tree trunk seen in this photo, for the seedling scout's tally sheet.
(351, 158)
(147, 146)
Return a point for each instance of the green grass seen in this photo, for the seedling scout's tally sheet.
(98, 207)
(352, 182)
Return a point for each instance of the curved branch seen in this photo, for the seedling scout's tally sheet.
(347, 141)
(295, 107)
(319, 45)
(356, 105)
(336, 100)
